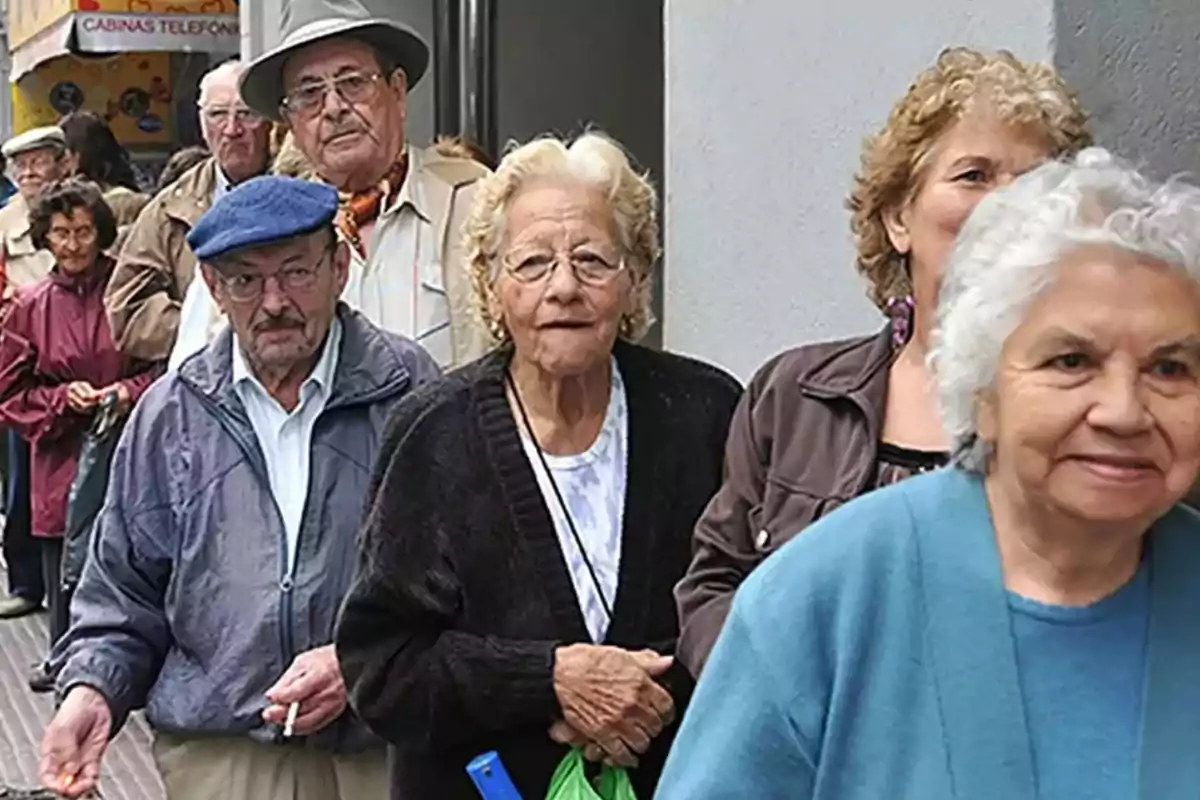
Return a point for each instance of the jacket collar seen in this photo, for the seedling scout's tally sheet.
(431, 182)
(190, 196)
(368, 367)
(851, 367)
(91, 280)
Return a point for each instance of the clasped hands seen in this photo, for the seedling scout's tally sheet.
(83, 397)
(612, 706)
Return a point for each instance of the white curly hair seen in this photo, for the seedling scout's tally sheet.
(593, 160)
(1010, 251)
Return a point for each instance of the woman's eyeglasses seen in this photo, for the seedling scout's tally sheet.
(588, 268)
(60, 237)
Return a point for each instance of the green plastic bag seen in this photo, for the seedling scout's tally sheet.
(570, 781)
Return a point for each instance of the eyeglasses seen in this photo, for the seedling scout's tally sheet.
(588, 268)
(221, 116)
(353, 87)
(245, 288)
(36, 164)
(59, 237)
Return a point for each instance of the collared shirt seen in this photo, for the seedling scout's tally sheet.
(286, 437)
(222, 186)
(399, 287)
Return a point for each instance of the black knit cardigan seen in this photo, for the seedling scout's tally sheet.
(447, 637)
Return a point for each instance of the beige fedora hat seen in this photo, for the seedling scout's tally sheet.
(308, 21)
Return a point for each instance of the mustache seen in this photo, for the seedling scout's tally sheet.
(278, 323)
(343, 129)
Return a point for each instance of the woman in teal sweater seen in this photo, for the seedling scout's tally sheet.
(1023, 624)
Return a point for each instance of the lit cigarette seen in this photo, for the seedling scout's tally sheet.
(288, 726)
(67, 779)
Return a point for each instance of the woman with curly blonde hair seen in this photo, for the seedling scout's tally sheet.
(534, 509)
(822, 424)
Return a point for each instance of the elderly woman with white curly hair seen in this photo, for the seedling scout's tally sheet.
(1021, 624)
(534, 509)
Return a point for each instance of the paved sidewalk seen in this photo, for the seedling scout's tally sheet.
(129, 771)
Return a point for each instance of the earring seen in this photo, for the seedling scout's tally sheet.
(900, 312)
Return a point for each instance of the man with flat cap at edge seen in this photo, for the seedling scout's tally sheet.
(230, 532)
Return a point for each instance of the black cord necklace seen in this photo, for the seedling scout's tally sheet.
(512, 385)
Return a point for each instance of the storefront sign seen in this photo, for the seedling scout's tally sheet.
(159, 6)
(112, 33)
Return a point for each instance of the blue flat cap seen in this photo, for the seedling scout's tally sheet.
(262, 210)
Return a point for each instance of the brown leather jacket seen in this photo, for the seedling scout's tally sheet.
(156, 265)
(803, 441)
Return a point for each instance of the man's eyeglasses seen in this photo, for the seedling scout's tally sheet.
(588, 268)
(308, 98)
(221, 116)
(59, 237)
(245, 288)
(35, 164)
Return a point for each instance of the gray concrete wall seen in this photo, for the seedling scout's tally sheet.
(1136, 66)
(568, 65)
(767, 102)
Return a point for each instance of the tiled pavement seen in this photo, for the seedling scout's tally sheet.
(129, 772)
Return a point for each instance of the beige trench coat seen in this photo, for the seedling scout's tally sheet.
(156, 265)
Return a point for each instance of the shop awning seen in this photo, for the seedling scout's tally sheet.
(52, 31)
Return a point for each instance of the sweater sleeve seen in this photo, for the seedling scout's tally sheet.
(412, 676)
(738, 738)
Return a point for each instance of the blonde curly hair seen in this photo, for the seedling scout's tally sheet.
(894, 160)
(594, 160)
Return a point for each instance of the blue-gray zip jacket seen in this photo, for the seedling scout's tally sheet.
(185, 606)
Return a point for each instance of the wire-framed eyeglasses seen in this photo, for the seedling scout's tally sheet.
(590, 269)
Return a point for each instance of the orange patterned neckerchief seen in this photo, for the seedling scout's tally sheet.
(361, 208)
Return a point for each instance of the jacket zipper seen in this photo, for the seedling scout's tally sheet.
(286, 566)
(286, 581)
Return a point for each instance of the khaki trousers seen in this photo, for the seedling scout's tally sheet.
(241, 769)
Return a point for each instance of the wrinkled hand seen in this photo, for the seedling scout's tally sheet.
(609, 697)
(563, 733)
(314, 680)
(82, 396)
(74, 743)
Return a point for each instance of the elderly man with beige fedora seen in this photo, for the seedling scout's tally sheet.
(339, 80)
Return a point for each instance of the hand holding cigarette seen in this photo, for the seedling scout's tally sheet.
(310, 695)
(289, 727)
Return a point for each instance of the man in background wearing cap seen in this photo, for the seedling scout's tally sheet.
(156, 283)
(38, 158)
(230, 535)
(339, 80)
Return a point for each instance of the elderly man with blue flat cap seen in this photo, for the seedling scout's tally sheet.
(230, 532)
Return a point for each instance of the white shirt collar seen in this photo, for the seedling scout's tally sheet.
(411, 193)
(222, 186)
(320, 379)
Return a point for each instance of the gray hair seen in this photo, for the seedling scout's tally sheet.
(232, 68)
(1009, 252)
